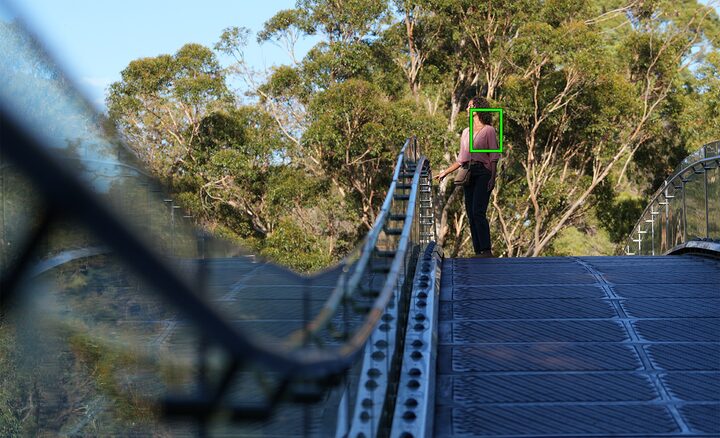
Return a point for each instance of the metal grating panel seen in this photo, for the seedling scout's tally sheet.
(579, 347)
(682, 330)
(693, 386)
(681, 357)
(471, 390)
(523, 292)
(538, 357)
(649, 277)
(672, 308)
(703, 418)
(572, 421)
(532, 309)
(667, 291)
(473, 332)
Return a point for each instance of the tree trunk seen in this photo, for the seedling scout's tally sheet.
(444, 228)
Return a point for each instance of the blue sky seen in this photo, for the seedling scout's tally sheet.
(94, 40)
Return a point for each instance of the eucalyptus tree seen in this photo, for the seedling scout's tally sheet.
(587, 88)
(583, 98)
(160, 101)
(595, 94)
(177, 113)
(345, 97)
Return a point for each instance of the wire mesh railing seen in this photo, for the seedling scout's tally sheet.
(369, 292)
(685, 209)
(166, 320)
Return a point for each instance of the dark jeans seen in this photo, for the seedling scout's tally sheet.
(477, 198)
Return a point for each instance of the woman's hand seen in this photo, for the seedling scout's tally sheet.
(440, 176)
(491, 184)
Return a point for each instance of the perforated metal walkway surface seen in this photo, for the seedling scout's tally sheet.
(591, 346)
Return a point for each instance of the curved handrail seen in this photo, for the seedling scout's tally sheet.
(377, 376)
(663, 226)
(370, 241)
(340, 291)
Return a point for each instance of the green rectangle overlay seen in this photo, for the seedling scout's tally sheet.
(500, 134)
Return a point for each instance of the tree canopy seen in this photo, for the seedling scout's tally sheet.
(601, 99)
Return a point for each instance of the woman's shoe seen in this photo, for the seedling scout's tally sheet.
(484, 254)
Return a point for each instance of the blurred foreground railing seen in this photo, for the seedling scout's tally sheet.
(118, 313)
(685, 210)
(374, 286)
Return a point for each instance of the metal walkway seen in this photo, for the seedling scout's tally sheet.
(590, 346)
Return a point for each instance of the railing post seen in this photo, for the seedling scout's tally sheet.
(652, 232)
(707, 205)
(203, 342)
(684, 214)
(667, 217)
(674, 233)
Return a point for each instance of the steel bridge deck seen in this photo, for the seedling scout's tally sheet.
(587, 346)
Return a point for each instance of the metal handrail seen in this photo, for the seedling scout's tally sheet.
(299, 337)
(343, 290)
(705, 159)
(392, 351)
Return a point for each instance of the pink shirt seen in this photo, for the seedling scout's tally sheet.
(485, 138)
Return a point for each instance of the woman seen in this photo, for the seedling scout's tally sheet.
(483, 169)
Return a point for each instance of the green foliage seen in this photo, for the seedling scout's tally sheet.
(617, 212)
(593, 92)
(159, 103)
(291, 246)
(344, 21)
(284, 20)
(11, 388)
(573, 241)
(105, 363)
(220, 130)
(289, 187)
(286, 80)
(355, 131)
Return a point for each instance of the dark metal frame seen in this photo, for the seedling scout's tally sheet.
(67, 197)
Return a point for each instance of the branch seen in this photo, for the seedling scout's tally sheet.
(578, 203)
(609, 15)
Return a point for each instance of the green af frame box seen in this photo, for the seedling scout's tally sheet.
(500, 135)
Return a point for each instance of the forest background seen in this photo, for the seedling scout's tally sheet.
(601, 99)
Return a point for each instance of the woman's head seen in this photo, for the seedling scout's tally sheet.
(480, 102)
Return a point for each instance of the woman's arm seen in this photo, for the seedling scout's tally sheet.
(463, 156)
(493, 174)
(453, 167)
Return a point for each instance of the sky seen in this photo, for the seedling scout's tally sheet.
(94, 40)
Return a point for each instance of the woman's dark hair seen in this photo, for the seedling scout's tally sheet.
(481, 102)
